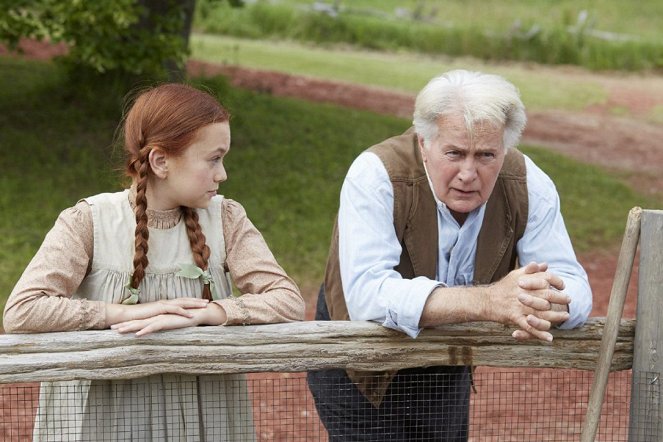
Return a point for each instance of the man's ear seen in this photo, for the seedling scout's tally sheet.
(158, 162)
(422, 149)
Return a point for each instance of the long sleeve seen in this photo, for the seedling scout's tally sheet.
(546, 240)
(41, 300)
(369, 251)
(268, 295)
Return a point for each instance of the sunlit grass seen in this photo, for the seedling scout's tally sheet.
(402, 72)
(598, 35)
(641, 18)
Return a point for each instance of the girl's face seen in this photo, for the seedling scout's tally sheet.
(193, 178)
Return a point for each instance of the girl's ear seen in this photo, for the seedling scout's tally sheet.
(158, 163)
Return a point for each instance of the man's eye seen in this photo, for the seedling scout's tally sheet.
(453, 154)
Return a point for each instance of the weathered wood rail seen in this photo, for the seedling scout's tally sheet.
(295, 347)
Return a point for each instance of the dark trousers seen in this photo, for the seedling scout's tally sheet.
(421, 404)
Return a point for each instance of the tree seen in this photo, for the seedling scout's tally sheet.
(140, 38)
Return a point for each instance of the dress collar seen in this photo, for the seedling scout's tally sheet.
(157, 219)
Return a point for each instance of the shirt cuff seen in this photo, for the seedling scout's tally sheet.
(580, 306)
(236, 311)
(403, 313)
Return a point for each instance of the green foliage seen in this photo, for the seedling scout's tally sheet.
(569, 40)
(102, 36)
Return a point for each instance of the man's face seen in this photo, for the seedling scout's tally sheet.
(463, 167)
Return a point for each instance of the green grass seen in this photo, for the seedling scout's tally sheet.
(53, 151)
(606, 34)
(541, 89)
(286, 165)
(641, 18)
(657, 114)
(594, 204)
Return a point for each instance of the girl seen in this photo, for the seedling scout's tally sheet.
(156, 256)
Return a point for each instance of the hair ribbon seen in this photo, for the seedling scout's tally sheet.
(192, 271)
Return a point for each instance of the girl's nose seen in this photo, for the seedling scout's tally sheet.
(220, 175)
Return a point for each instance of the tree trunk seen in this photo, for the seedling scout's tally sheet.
(157, 8)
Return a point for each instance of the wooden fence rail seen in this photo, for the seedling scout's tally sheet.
(296, 347)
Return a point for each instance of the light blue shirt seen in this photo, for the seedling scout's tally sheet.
(369, 249)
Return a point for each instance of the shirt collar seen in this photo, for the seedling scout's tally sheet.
(442, 207)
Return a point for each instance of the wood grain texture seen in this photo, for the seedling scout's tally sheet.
(295, 347)
(646, 411)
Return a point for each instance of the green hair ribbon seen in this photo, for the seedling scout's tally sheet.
(194, 272)
(133, 295)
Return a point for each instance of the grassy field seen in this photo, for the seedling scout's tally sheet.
(640, 18)
(406, 72)
(286, 166)
(599, 34)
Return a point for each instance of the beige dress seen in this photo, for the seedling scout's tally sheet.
(166, 407)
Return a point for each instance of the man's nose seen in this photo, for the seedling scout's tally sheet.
(468, 170)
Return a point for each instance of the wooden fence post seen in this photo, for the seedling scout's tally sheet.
(646, 410)
(611, 331)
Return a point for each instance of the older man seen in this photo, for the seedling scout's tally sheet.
(431, 229)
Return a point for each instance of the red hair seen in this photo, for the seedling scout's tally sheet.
(168, 116)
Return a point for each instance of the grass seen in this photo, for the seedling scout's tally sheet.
(657, 114)
(603, 34)
(403, 72)
(639, 19)
(286, 166)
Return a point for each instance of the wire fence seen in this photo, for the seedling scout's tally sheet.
(504, 405)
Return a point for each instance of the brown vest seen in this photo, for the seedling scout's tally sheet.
(415, 222)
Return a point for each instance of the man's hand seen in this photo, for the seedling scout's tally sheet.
(530, 298)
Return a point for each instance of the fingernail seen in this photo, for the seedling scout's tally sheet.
(549, 337)
(522, 297)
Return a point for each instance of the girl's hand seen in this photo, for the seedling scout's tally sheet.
(116, 313)
(211, 314)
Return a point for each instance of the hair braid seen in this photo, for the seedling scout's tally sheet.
(199, 248)
(168, 116)
(142, 233)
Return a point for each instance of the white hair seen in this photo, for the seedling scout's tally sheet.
(476, 96)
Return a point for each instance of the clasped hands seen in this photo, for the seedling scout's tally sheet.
(531, 299)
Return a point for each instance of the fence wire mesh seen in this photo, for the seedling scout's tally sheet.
(508, 405)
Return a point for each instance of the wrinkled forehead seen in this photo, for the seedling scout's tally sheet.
(461, 124)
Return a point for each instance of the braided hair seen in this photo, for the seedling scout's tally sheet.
(167, 116)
